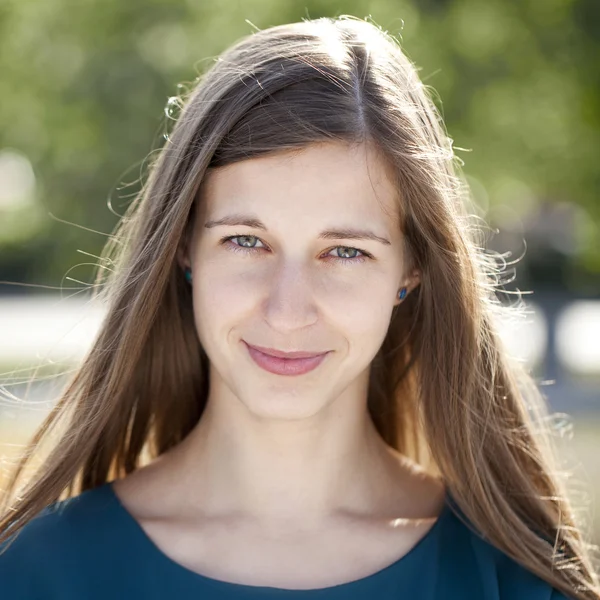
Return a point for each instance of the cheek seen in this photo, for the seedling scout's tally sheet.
(364, 315)
(221, 297)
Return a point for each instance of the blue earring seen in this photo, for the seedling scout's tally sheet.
(402, 293)
(188, 275)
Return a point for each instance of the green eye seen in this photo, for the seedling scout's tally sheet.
(353, 251)
(245, 238)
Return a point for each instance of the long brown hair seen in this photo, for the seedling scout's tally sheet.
(443, 390)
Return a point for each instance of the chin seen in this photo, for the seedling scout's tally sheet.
(283, 405)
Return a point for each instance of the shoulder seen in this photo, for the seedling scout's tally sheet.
(63, 525)
(57, 542)
(497, 575)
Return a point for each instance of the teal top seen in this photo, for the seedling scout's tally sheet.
(90, 547)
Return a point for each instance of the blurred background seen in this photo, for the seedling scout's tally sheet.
(85, 89)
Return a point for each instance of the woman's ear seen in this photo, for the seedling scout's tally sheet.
(183, 250)
(409, 283)
(186, 242)
(183, 257)
(415, 280)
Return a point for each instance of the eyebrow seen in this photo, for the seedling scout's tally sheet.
(329, 234)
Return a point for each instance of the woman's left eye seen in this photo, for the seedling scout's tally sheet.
(354, 252)
(349, 254)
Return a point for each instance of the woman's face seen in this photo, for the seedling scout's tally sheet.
(285, 281)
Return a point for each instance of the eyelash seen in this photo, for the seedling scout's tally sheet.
(244, 250)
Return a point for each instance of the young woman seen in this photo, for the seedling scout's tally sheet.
(299, 390)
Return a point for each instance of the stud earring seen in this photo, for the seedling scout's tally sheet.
(402, 293)
(188, 275)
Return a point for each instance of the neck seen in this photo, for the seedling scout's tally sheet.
(334, 461)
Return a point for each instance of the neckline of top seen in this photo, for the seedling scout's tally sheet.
(404, 561)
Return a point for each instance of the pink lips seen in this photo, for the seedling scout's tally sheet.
(296, 363)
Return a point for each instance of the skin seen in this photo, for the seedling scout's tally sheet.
(287, 469)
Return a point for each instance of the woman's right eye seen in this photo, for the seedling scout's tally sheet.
(242, 244)
(244, 239)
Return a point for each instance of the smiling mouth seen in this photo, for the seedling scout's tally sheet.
(287, 355)
(284, 365)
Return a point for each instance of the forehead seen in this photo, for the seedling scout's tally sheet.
(331, 180)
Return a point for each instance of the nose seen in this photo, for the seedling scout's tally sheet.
(290, 302)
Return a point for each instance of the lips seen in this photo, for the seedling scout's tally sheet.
(285, 366)
(281, 354)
